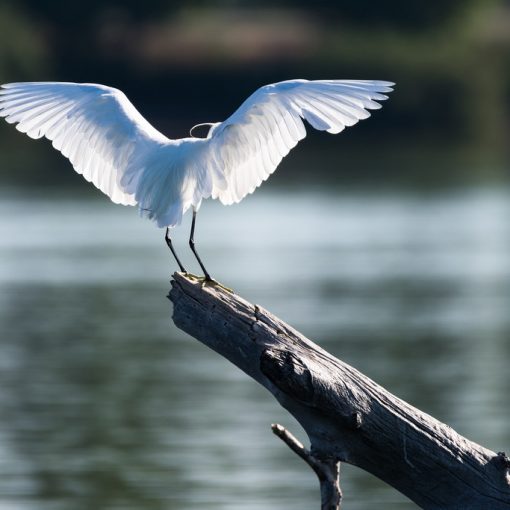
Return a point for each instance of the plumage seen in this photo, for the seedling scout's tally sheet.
(109, 142)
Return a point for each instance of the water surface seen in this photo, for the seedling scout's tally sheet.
(105, 404)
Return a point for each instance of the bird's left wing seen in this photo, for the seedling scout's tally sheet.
(248, 146)
(96, 127)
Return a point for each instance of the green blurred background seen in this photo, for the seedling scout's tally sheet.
(187, 62)
(389, 245)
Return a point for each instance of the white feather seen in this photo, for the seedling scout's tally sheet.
(95, 126)
(252, 142)
(109, 142)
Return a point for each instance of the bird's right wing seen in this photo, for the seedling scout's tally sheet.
(96, 127)
(248, 146)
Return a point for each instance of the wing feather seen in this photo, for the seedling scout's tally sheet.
(113, 146)
(95, 126)
(250, 144)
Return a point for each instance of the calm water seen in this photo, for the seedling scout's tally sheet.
(104, 404)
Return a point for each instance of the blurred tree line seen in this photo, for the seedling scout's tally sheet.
(185, 62)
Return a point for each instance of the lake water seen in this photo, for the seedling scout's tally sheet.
(104, 404)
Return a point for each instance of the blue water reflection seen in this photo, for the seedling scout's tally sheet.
(105, 404)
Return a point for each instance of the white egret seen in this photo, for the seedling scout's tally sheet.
(109, 142)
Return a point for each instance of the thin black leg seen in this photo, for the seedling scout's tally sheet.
(192, 246)
(169, 244)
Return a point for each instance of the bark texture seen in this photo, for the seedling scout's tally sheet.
(347, 416)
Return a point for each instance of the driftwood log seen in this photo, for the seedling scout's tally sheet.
(347, 416)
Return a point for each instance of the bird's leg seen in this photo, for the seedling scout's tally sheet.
(169, 244)
(192, 246)
(206, 280)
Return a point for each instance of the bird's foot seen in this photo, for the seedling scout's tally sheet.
(206, 281)
(213, 283)
(192, 276)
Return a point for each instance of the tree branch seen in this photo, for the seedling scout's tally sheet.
(327, 470)
(347, 416)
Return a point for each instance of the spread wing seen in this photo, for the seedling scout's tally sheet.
(96, 127)
(248, 146)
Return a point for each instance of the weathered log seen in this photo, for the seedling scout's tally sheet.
(346, 415)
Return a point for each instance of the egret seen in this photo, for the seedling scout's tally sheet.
(113, 146)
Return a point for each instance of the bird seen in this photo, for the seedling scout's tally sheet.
(113, 146)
